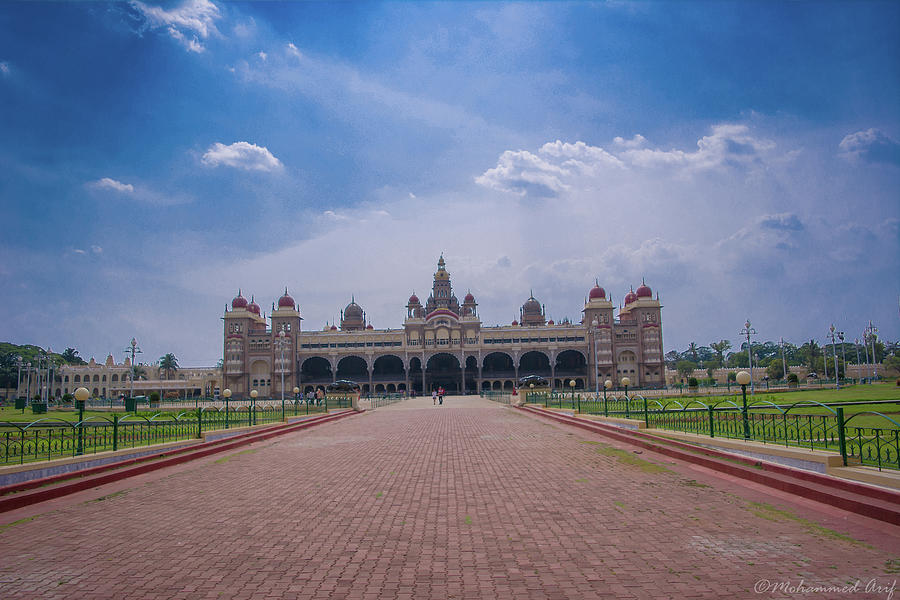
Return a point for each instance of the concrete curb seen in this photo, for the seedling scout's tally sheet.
(877, 503)
(16, 496)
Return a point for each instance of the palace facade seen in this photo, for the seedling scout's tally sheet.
(444, 344)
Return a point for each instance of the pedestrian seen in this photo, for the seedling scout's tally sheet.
(434, 397)
(441, 396)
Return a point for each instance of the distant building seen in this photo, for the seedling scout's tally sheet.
(443, 343)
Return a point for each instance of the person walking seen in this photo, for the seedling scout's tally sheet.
(441, 396)
(434, 397)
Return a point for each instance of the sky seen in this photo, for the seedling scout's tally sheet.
(742, 158)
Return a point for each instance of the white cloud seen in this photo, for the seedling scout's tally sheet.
(262, 55)
(871, 145)
(4, 68)
(292, 49)
(241, 155)
(636, 142)
(522, 173)
(107, 183)
(729, 145)
(97, 249)
(192, 20)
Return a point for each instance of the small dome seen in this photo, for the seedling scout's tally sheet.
(333, 328)
(550, 322)
(469, 298)
(531, 306)
(239, 301)
(413, 299)
(286, 301)
(597, 292)
(253, 306)
(515, 322)
(630, 297)
(644, 291)
(369, 326)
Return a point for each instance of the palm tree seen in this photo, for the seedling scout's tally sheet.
(692, 350)
(168, 364)
(811, 350)
(70, 355)
(138, 372)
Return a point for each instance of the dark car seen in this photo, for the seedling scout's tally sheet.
(343, 385)
(535, 380)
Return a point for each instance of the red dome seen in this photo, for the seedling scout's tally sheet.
(369, 326)
(286, 301)
(644, 291)
(630, 297)
(470, 297)
(333, 328)
(413, 299)
(239, 301)
(253, 307)
(515, 322)
(550, 322)
(597, 292)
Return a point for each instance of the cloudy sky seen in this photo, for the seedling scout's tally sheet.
(742, 158)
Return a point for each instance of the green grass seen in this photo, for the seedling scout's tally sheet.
(628, 458)
(771, 513)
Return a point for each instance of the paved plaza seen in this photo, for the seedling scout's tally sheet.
(468, 500)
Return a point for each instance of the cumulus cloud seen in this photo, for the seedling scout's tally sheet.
(188, 24)
(107, 183)
(557, 166)
(4, 68)
(871, 145)
(241, 155)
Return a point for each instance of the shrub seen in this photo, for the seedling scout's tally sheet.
(732, 376)
(154, 396)
(68, 397)
(692, 382)
(792, 378)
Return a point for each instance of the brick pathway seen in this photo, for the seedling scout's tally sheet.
(468, 500)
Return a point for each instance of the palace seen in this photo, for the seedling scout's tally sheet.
(443, 343)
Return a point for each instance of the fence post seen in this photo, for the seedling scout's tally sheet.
(199, 423)
(712, 432)
(579, 403)
(646, 416)
(605, 408)
(115, 432)
(842, 436)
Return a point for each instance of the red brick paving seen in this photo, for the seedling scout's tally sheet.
(466, 500)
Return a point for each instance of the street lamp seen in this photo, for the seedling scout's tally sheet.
(594, 325)
(81, 396)
(296, 398)
(783, 362)
(226, 393)
(626, 382)
(572, 385)
(837, 372)
(840, 335)
(253, 395)
(281, 343)
(856, 345)
(606, 385)
(748, 331)
(871, 332)
(743, 378)
(133, 349)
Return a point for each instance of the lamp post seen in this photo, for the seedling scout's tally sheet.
(783, 362)
(253, 395)
(840, 335)
(856, 345)
(281, 342)
(748, 331)
(226, 393)
(606, 385)
(743, 378)
(594, 326)
(81, 395)
(626, 382)
(837, 371)
(296, 398)
(133, 349)
(28, 384)
(572, 385)
(872, 332)
(18, 376)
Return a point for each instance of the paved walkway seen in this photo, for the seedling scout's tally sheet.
(467, 500)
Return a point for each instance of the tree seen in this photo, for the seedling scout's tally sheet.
(672, 357)
(811, 353)
(168, 364)
(70, 356)
(138, 372)
(720, 348)
(685, 368)
(692, 351)
(775, 369)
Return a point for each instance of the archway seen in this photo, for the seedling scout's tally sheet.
(442, 370)
(415, 374)
(388, 368)
(534, 363)
(497, 365)
(316, 369)
(571, 364)
(353, 368)
(471, 375)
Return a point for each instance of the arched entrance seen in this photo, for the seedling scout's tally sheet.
(571, 364)
(353, 368)
(316, 369)
(415, 374)
(442, 370)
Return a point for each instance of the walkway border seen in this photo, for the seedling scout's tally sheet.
(869, 501)
(17, 495)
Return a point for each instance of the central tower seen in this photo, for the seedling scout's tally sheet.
(441, 291)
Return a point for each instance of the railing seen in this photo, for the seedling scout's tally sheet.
(497, 396)
(765, 422)
(382, 400)
(55, 437)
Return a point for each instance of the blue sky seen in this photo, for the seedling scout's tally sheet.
(742, 158)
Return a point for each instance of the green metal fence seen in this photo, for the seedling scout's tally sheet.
(497, 396)
(765, 422)
(54, 437)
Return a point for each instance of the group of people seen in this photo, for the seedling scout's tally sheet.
(437, 396)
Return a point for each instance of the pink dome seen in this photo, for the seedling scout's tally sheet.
(630, 297)
(597, 292)
(239, 301)
(369, 326)
(333, 328)
(515, 322)
(286, 301)
(550, 322)
(413, 299)
(253, 307)
(469, 298)
(644, 291)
